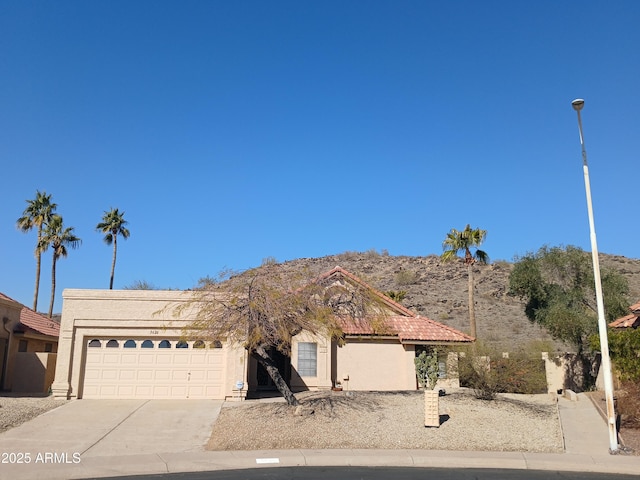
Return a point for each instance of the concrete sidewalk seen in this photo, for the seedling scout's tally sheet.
(119, 438)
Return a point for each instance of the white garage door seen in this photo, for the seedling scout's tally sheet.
(145, 368)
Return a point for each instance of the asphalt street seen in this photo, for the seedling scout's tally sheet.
(379, 473)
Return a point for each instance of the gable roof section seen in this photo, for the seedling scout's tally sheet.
(404, 323)
(393, 305)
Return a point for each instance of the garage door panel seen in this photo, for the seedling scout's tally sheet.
(162, 375)
(198, 375)
(180, 375)
(181, 359)
(199, 359)
(213, 391)
(215, 360)
(109, 374)
(108, 391)
(160, 391)
(125, 391)
(130, 358)
(155, 372)
(196, 391)
(111, 358)
(126, 375)
(178, 391)
(96, 358)
(164, 359)
(145, 375)
(146, 359)
(92, 374)
(143, 391)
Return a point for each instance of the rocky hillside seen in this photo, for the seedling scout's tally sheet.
(439, 291)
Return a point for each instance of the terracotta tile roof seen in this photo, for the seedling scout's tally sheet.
(407, 329)
(39, 323)
(33, 320)
(628, 321)
(404, 323)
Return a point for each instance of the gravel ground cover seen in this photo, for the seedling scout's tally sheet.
(326, 420)
(15, 410)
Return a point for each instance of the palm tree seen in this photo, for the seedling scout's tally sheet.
(464, 241)
(112, 225)
(59, 238)
(37, 214)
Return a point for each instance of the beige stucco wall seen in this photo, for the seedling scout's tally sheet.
(322, 381)
(33, 372)
(35, 343)
(365, 364)
(123, 314)
(9, 317)
(10, 341)
(375, 365)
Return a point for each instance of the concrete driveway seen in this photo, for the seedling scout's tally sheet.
(115, 428)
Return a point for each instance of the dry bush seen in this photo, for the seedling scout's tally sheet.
(629, 404)
(406, 277)
(489, 374)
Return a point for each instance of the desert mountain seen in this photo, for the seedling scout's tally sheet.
(439, 291)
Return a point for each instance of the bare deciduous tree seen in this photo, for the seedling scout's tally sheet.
(264, 308)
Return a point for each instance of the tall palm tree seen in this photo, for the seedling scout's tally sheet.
(112, 225)
(464, 241)
(37, 214)
(59, 238)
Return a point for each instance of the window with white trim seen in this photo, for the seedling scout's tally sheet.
(308, 359)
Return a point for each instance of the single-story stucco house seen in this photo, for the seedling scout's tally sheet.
(28, 342)
(128, 344)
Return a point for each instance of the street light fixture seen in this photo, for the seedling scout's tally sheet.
(577, 104)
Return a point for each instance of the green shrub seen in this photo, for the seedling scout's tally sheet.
(427, 369)
(397, 296)
(624, 349)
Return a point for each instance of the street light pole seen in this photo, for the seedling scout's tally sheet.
(602, 324)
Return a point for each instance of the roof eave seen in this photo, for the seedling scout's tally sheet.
(436, 342)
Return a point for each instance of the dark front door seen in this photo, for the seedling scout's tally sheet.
(283, 363)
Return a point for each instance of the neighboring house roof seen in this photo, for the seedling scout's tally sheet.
(39, 323)
(33, 320)
(628, 321)
(9, 299)
(402, 322)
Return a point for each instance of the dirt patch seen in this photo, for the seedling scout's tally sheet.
(390, 420)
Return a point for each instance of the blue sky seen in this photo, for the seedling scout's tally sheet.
(229, 132)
